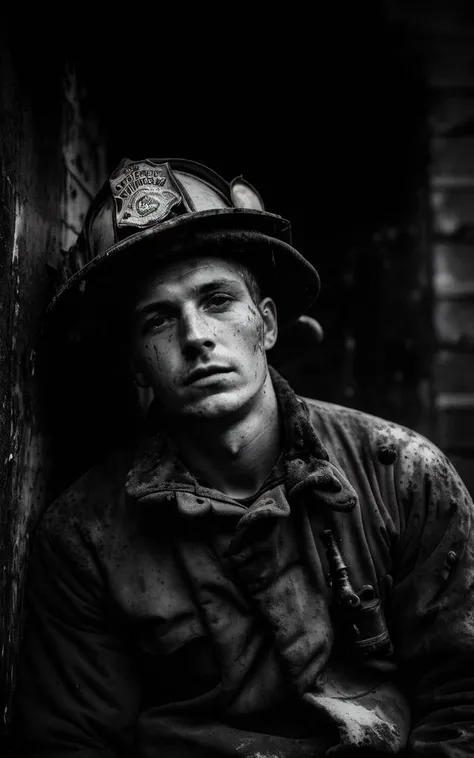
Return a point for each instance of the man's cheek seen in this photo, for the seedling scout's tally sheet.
(256, 336)
(154, 361)
(251, 328)
(151, 356)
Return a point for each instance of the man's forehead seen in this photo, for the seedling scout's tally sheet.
(192, 271)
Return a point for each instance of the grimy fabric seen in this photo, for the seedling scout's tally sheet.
(166, 619)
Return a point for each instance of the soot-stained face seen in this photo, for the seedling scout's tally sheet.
(199, 339)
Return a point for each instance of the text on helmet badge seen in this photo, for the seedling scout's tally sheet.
(143, 193)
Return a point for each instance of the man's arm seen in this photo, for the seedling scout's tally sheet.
(433, 603)
(77, 690)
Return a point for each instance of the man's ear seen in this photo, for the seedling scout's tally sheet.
(268, 310)
(144, 392)
(138, 375)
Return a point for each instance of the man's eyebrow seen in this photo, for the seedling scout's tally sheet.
(218, 284)
(200, 289)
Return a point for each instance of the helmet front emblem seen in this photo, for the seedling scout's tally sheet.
(143, 194)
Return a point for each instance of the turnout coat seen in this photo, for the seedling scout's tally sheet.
(167, 619)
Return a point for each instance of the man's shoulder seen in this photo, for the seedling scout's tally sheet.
(93, 498)
(332, 414)
(399, 459)
(383, 440)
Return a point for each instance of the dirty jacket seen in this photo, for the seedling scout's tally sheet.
(167, 619)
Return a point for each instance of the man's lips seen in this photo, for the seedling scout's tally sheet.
(205, 371)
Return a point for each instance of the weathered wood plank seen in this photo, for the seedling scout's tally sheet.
(453, 269)
(453, 372)
(35, 203)
(454, 323)
(456, 430)
(452, 162)
(451, 113)
(453, 214)
(30, 181)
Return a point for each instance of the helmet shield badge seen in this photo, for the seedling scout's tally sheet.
(143, 193)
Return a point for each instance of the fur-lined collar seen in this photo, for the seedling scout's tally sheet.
(157, 470)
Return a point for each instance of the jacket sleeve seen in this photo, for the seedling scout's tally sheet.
(77, 689)
(433, 602)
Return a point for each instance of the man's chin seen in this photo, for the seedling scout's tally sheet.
(216, 406)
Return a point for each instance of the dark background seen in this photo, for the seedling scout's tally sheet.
(325, 112)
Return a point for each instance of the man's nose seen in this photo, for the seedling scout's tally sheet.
(196, 332)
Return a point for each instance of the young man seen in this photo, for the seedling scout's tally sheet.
(262, 574)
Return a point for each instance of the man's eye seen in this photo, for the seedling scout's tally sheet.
(155, 323)
(219, 300)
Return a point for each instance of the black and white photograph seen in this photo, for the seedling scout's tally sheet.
(237, 380)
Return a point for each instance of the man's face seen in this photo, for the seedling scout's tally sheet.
(199, 339)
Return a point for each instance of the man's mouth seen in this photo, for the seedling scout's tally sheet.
(200, 374)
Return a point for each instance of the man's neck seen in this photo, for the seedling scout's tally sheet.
(236, 458)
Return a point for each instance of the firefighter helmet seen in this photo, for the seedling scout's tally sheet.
(154, 206)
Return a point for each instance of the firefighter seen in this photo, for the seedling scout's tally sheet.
(259, 574)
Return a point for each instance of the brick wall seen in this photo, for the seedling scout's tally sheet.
(451, 76)
(442, 34)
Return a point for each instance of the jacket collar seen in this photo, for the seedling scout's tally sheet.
(158, 474)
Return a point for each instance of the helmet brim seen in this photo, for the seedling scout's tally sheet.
(294, 283)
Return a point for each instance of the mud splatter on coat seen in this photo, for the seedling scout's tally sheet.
(166, 619)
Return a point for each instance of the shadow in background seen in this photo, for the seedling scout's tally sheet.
(327, 119)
